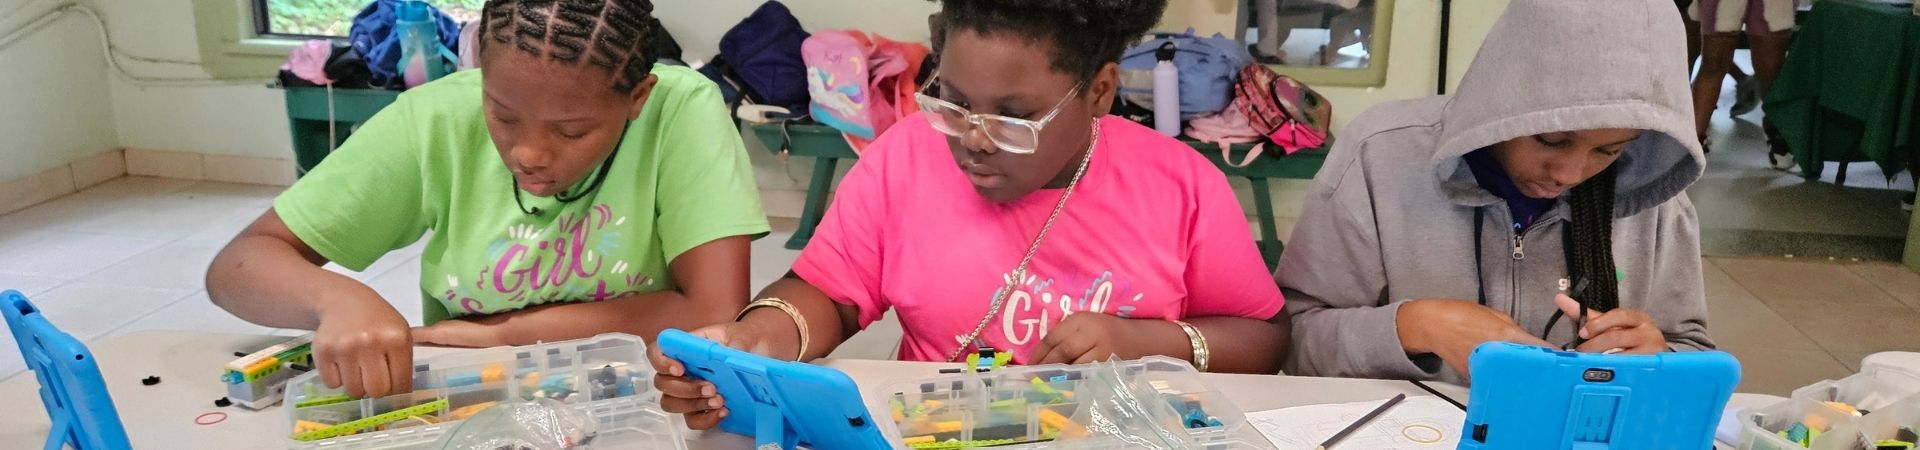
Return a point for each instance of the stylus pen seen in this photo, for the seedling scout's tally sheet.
(1360, 423)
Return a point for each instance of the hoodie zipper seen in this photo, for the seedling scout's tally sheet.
(1519, 254)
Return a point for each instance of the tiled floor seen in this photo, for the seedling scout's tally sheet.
(1749, 209)
(130, 255)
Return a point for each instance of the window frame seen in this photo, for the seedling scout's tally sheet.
(262, 18)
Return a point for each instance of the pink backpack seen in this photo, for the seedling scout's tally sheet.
(860, 85)
(1267, 107)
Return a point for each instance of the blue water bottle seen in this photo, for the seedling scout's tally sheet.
(422, 57)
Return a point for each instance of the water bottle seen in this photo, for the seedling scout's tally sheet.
(422, 57)
(1166, 92)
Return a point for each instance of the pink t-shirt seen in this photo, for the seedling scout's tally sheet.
(1153, 231)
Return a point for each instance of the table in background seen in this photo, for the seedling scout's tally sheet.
(309, 120)
(827, 147)
(1850, 87)
(189, 365)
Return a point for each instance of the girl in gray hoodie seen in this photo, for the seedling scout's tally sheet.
(1556, 172)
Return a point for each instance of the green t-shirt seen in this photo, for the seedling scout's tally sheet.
(680, 179)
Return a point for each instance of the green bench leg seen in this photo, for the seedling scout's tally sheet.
(817, 192)
(1270, 244)
(310, 141)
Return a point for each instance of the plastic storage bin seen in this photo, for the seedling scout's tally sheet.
(1027, 407)
(1885, 423)
(1871, 390)
(606, 376)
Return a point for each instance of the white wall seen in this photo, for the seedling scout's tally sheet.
(54, 105)
(245, 119)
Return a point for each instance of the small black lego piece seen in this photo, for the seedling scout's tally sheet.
(150, 380)
(239, 354)
(223, 402)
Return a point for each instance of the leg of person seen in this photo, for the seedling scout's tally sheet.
(1350, 27)
(1769, 38)
(1716, 55)
(1266, 16)
(1693, 32)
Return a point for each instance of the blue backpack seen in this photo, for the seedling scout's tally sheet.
(375, 37)
(763, 54)
(1209, 67)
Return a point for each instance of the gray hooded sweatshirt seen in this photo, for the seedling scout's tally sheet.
(1389, 218)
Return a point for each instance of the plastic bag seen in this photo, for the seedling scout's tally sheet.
(1118, 410)
(540, 424)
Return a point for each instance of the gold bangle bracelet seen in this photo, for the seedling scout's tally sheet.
(799, 321)
(1201, 352)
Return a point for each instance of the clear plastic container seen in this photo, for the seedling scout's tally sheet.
(1869, 391)
(1882, 424)
(1027, 407)
(1761, 428)
(606, 376)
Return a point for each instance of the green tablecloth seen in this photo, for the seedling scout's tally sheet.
(1848, 89)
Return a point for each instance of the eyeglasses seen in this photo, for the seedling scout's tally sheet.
(1013, 135)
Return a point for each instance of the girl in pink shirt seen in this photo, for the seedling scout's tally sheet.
(1012, 213)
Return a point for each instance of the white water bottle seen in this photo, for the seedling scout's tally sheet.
(1166, 92)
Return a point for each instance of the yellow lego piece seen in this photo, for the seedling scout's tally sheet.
(951, 426)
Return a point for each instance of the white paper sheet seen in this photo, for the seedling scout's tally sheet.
(1419, 423)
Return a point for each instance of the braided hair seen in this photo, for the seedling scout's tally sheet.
(612, 35)
(1592, 240)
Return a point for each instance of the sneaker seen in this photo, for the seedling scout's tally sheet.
(1781, 162)
(1778, 156)
(1906, 203)
(1746, 97)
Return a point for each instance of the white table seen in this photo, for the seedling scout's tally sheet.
(189, 365)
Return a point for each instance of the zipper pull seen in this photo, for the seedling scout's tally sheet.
(1519, 251)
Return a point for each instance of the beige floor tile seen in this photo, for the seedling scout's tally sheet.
(166, 218)
(1899, 281)
(1856, 328)
(1803, 283)
(177, 265)
(88, 310)
(1736, 318)
(73, 255)
(1779, 372)
(137, 187)
(222, 230)
(260, 196)
(193, 313)
(27, 285)
(1850, 359)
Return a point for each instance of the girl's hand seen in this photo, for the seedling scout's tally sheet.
(459, 333)
(698, 400)
(1627, 330)
(363, 345)
(1086, 337)
(1451, 329)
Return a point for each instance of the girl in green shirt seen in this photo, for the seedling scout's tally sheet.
(573, 188)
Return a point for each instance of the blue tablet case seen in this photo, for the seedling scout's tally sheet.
(777, 402)
(70, 385)
(1534, 398)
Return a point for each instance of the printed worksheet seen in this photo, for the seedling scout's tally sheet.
(1420, 423)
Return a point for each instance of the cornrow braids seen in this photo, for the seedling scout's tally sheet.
(1592, 240)
(612, 35)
